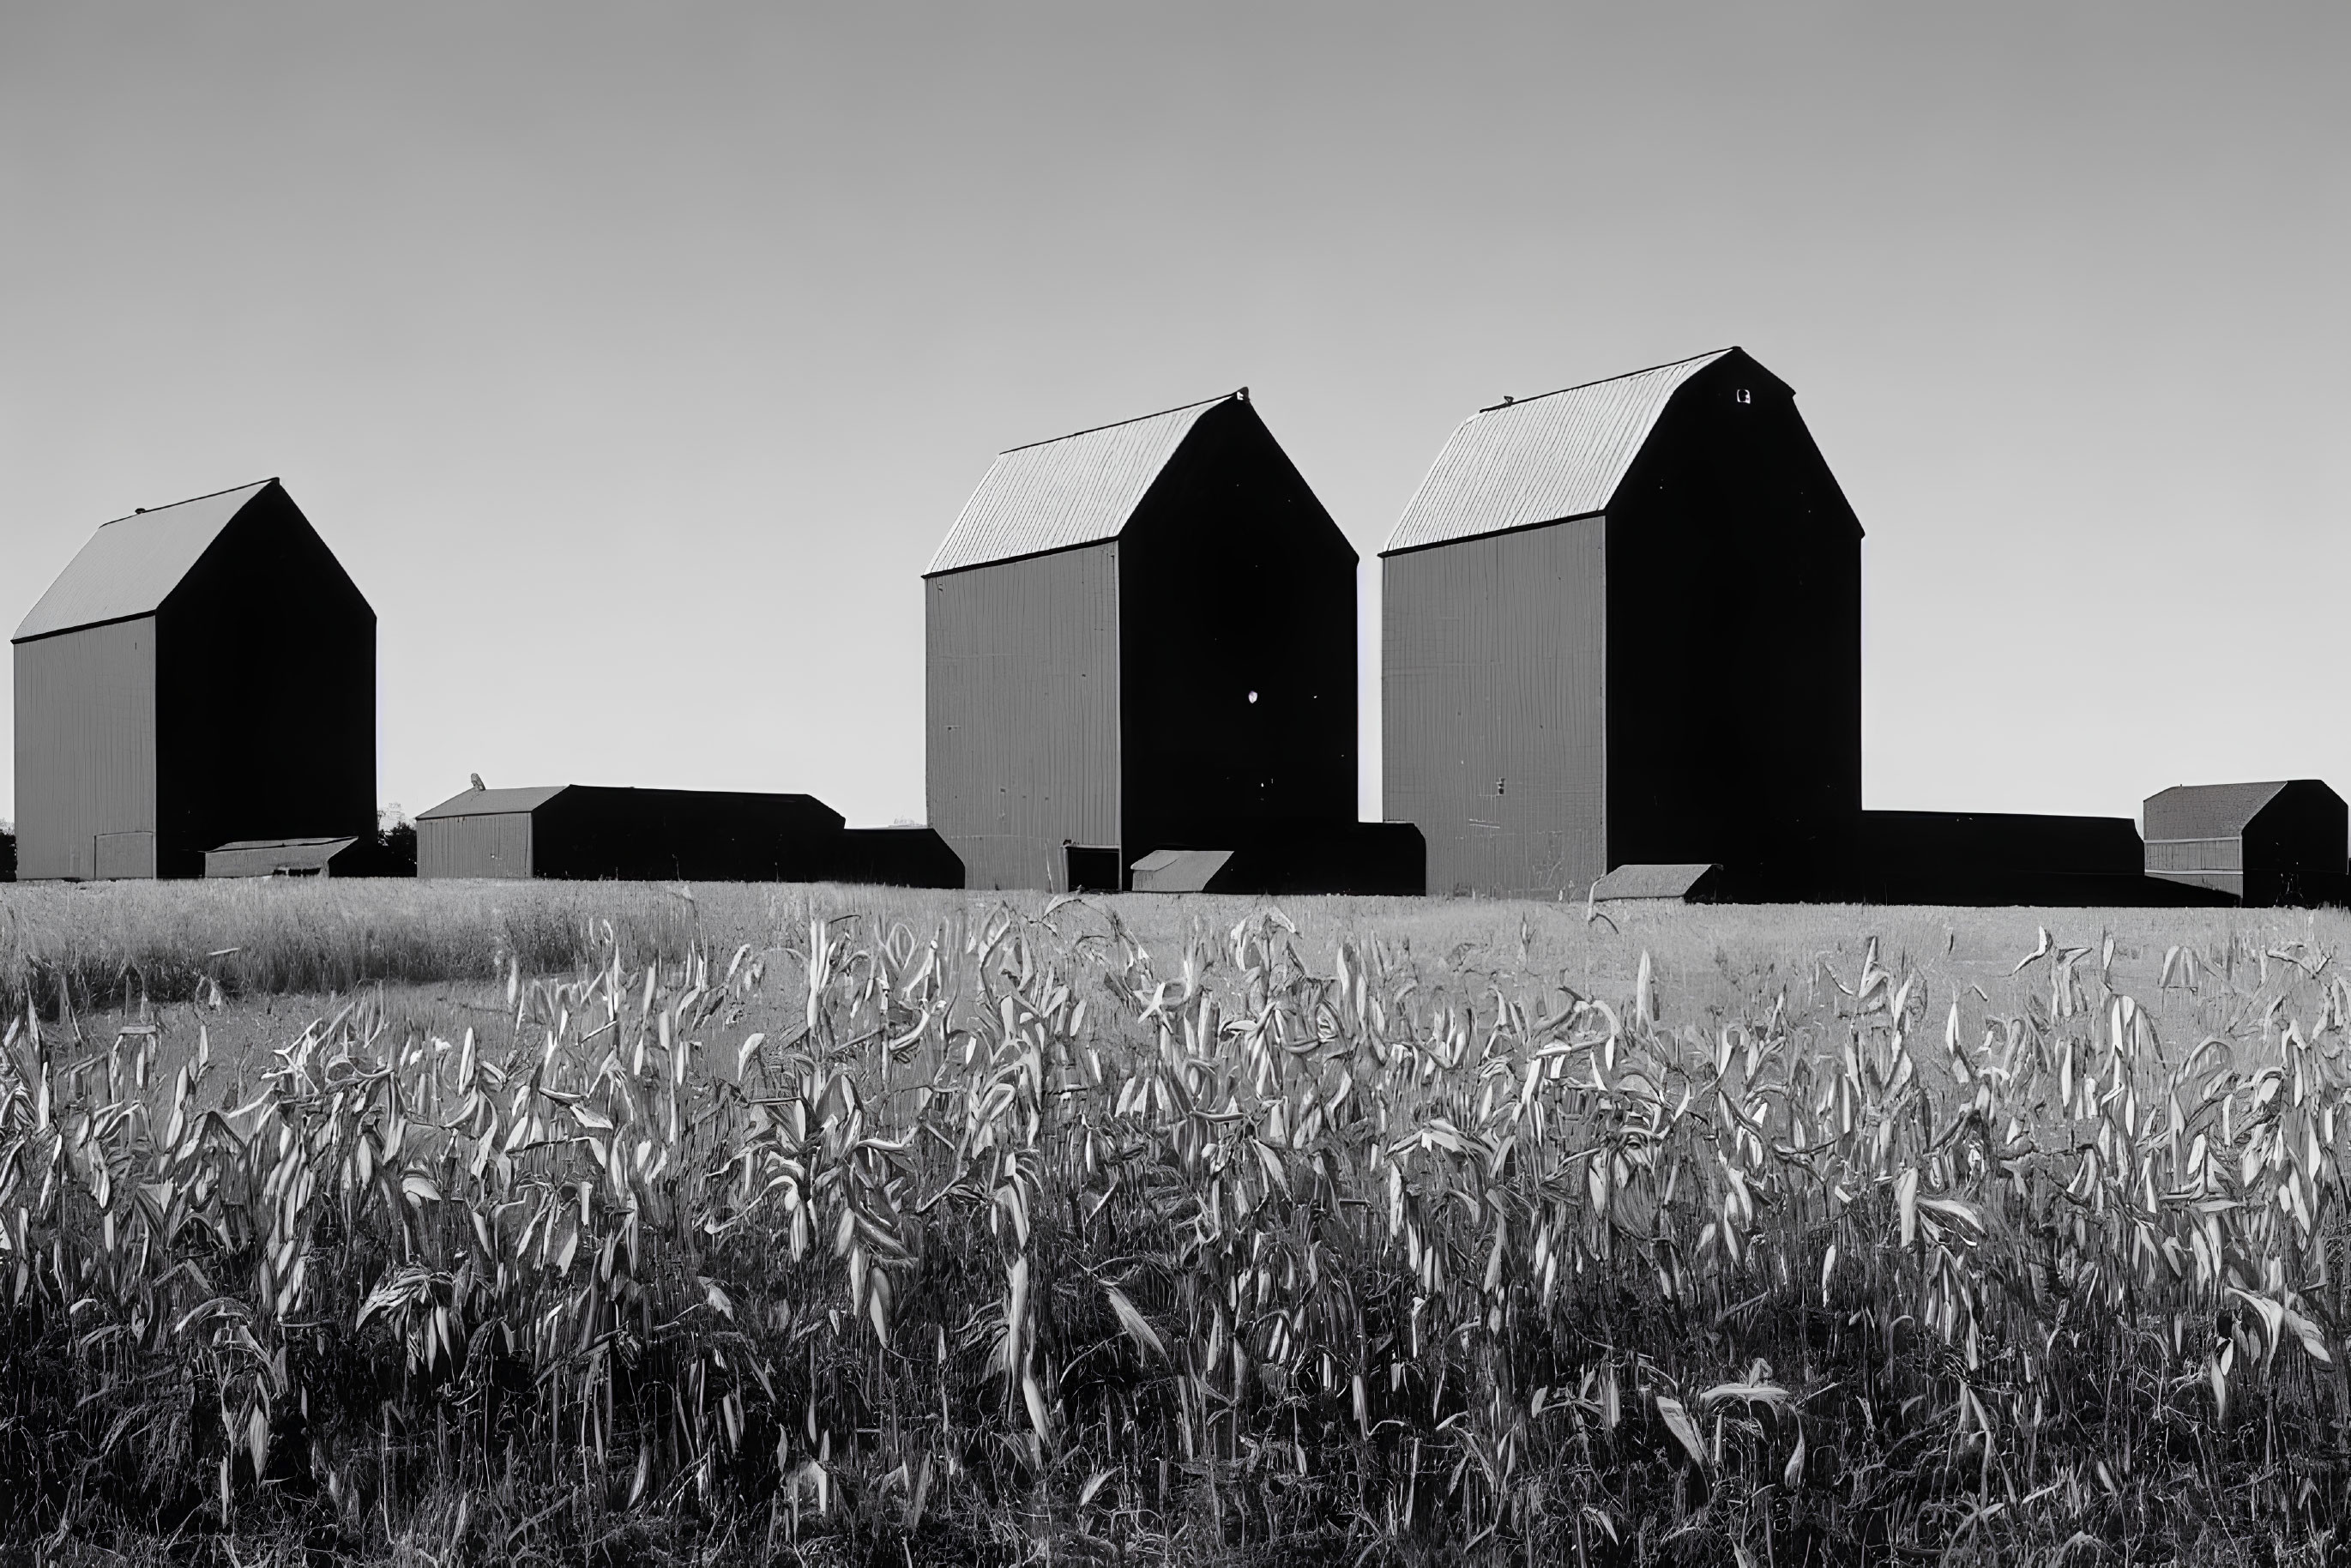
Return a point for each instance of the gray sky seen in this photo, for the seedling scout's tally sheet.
(634, 360)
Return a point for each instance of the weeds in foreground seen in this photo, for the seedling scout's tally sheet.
(1024, 1244)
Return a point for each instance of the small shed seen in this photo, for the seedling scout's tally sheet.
(2278, 842)
(1700, 883)
(1137, 637)
(199, 674)
(587, 831)
(1621, 624)
(1364, 858)
(292, 857)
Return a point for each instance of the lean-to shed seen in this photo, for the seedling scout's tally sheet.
(587, 831)
(1138, 637)
(293, 857)
(1621, 624)
(2282, 842)
(199, 674)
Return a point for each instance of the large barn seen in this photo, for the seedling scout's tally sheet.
(2278, 842)
(200, 673)
(1622, 625)
(1138, 637)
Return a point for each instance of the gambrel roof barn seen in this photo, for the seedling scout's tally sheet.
(199, 674)
(1138, 637)
(1622, 625)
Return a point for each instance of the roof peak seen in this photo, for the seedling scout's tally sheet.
(1707, 358)
(1240, 394)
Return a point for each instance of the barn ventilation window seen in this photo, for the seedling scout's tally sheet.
(1743, 395)
(1252, 696)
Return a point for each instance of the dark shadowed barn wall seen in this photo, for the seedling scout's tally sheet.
(267, 722)
(1734, 670)
(1022, 699)
(1491, 706)
(85, 745)
(1234, 581)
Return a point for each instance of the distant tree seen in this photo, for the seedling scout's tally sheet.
(395, 842)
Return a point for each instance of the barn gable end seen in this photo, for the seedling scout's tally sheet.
(199, 674)
(1138, 637)
(1622, 625)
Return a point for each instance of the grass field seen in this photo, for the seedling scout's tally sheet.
(606, 1223)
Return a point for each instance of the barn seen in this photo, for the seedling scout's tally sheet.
(200, 673)
(1621, 625)
(2278, 842)
(1139, 637)
(587, 831)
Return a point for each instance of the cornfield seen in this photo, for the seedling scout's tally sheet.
(1021, 1243)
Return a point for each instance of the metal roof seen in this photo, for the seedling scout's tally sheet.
(1652, 881)
(1074, 490)
(268, 857)
(131, 564)
(1178, 871)
(1539, 459)
(2207, 811)
(493, 802)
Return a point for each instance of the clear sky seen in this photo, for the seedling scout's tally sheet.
(634, 360)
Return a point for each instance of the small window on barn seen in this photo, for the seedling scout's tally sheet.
(1743, 395)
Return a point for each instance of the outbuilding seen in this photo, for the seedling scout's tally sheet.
(2279, 842)
(1139, 637)
(311, 857)
(200, 673)
(587, 831)
(1622, 625)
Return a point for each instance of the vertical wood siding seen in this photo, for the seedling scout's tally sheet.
(1021, 700)
(494, 845)
(85, 748)
(1493, 673)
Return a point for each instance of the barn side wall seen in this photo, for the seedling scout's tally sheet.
(1494, 663)
(1021, 713)
(267, 693)
(1734, 671)
(594, 831)
(85, 747)
(1234, 581)
(497, 845)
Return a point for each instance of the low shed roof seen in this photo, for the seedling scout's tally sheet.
(1073, 490)
(1541, 459)
(2207, 811)
(131, 564)
(493, 802)
(1654, 880)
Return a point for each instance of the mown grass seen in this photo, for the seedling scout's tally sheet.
(1023, 1234)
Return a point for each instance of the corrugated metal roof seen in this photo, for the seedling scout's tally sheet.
(2207, 811)
(131, 564)
(1538, 459)
(1074, 490)
(493, 802)
(1651, 881)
